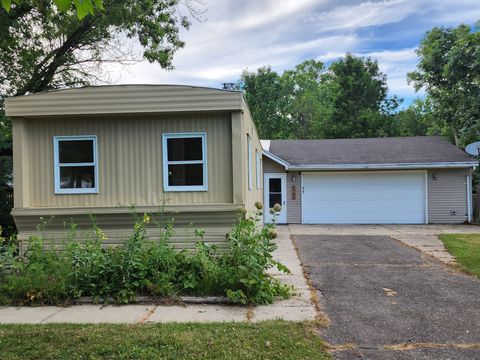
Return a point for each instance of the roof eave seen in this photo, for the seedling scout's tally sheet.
(124, 99)
(275, 158)
(393, 166)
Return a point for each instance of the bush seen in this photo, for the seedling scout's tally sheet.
(249, 256)
(143, 267)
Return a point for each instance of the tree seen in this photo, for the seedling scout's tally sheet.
(417, 120)
(349, 99)
(288, 105)
(449, 71)
(42, 48)
(83, 7)
(307, 99)
(361, 105)
(6, 178)
(266, 100)
(51, 49)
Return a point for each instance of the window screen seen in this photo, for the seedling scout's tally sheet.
(75, 164)
(184, 162)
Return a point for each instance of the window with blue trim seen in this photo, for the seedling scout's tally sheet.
(75, 159)
(184, 162)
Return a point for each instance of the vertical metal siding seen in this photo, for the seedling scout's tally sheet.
(447, 193)
(118, 227)
(130, 159)
(253, 195)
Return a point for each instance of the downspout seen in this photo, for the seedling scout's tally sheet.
(469, 198)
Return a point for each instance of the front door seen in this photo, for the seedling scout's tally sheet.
(275, 193)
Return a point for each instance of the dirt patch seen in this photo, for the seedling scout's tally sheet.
(148, 314)
(250, 314)
(341, 347)
(416, 346)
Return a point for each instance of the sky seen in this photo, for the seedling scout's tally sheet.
(237, 35)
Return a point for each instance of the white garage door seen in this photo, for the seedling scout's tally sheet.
(375, 197)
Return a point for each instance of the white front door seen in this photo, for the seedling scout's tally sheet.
(275, 192)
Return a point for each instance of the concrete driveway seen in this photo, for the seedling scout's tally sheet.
(387, 300)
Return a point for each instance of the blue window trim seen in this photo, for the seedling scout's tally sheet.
(258, 166)
(58, 165)
(165, 161)
(249, 162)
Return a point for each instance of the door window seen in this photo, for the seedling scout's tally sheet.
(275, 192)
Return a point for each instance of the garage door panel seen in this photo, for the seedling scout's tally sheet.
(364, 198)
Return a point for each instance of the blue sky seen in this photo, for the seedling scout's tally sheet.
(248, 34)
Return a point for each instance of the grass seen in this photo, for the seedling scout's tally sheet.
(266, 340)
(466, 250)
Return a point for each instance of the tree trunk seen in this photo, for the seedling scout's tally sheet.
(44, 74)
(455, 137)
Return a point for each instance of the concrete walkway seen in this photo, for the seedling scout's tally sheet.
(298, 308)
(421, 237)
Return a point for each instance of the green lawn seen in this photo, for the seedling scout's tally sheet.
(266, 340)
(466, 250)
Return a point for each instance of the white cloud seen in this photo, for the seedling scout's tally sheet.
(367, 13)
(267, 12)
(254, 33)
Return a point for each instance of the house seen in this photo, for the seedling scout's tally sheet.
(193, 154)
(182, 152)
(403, 180)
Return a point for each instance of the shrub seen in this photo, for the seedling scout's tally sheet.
(249, 256)
(142, 266)
(40, 277)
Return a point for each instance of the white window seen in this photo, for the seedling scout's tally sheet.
(258, 161)
(249, 162)
(185, 162)
(76, 169)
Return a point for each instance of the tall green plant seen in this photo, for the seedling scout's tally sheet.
(250, 256)
(142, 266)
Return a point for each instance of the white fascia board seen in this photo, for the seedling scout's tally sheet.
(265, 144)
(276, 159)
(438, 165)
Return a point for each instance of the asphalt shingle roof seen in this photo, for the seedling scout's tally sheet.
(389, 150)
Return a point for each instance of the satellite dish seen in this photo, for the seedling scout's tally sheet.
(473, 148)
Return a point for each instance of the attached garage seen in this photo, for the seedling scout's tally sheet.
(373, 197)
(397, 180)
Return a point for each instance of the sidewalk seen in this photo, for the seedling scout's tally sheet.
(429, 244)
(298, 308)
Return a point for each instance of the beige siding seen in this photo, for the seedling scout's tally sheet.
(270, 166)
(124, 99)
(128, 122)
(294, 198)
(254, 194)
(446, 194)
(118, 227)
(21, 168)
(130, 159)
